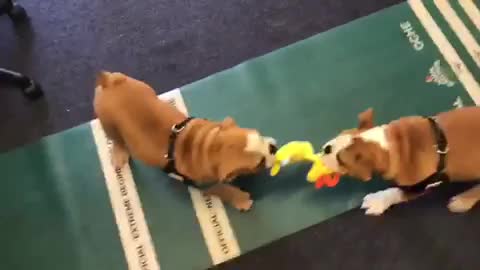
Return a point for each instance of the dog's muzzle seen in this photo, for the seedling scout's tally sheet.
(270, 157)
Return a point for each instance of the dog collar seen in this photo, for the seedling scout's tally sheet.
(170, 168)
(441, 147)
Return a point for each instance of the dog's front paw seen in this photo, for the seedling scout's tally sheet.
(377, 203)
(120, 157)
(243, 205)
(373, 205)
(460, 204)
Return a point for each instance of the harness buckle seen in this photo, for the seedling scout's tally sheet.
(176, 129)
(442, 152)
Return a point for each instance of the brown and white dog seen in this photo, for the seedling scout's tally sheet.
(205, 152)
(406, 152)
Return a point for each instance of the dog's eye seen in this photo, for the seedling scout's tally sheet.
(327, 149)
(358, 157)
(272, 149)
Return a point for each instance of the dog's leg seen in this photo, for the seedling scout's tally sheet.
(120, 153)
(234, 196)
(377, 203)
(465, 200)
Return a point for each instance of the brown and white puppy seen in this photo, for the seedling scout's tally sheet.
(405, 152)
(206, 152)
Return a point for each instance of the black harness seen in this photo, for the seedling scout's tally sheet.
(439, 175)
(171, 168)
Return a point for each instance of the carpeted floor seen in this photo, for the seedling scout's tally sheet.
(172, 43)
(167, 43)
(420, 235)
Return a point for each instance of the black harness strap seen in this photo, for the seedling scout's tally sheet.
(442, 151)
(441, 146)
(171, 168)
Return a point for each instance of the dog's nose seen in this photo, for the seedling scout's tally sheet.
(327, 149)
(273, 149)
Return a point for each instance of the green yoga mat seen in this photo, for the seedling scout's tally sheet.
(64, 207)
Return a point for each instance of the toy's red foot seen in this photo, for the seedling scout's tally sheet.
(327, 180)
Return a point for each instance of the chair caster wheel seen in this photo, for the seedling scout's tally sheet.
(17, 13)
(32, 90)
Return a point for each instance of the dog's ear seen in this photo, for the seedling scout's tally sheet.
(102, 79)
(228, 122)
(106, 79)
(227, 170)
(365, 119)
(235, 164)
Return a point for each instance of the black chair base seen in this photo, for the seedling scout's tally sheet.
(29, 87)
(16, 12)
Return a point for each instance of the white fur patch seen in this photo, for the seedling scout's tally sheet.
(376, 135)
(336, 145)
(261, 145)
(255, 143)
(270, 140)
(340, 142)
(461, 203)
(376, 203)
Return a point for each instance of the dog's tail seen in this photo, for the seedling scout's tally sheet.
(106, 79)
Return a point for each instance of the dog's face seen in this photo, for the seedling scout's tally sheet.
(241, 151)
(358, 152)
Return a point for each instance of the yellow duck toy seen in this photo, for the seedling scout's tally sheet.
(298, 151)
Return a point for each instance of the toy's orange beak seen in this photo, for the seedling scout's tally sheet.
(329, 180)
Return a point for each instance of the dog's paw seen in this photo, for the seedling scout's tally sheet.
(243, 205)
(459, 204)
(377, 203)
(119, 157)
(374, 206)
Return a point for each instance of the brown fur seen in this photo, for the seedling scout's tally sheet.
(412, 155)
(140, 124)
(362, 159)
